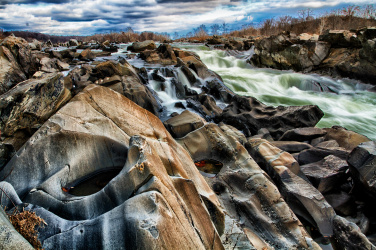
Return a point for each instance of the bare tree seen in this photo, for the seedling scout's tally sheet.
(224, 27)
(215, 29)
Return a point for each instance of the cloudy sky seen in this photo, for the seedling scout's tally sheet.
(86, 17)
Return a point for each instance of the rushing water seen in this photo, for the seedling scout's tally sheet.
(345, 102)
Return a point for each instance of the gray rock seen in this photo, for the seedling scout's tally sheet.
(317, 154)
(291, 146)
(141, 46)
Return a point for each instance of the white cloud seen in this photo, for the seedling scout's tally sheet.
(91, 16)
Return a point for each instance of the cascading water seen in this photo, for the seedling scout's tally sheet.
(345, 102)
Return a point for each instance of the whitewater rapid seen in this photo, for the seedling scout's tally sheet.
(345, 102)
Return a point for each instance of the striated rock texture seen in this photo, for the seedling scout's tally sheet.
(257, 217)
(158, 187)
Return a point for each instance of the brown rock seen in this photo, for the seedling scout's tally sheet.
(302, 134)
(345, 138)
(180, 125)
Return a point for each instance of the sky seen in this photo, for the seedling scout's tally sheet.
(87, 17)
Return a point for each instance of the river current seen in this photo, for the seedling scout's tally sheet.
(345, 102)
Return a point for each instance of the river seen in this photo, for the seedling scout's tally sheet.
(345, 102)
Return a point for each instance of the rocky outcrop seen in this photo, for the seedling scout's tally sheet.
(158, 185)
(249, 115)
(338, 53)
(246, 193)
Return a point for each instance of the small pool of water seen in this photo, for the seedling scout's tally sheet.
(92, 183)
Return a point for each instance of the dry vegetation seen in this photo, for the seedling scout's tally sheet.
(25, 223)
(347, 18)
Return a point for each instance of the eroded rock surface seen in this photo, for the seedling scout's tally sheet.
(158, 187)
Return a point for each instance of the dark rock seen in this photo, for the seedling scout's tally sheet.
(263, 133)
(342, 203)
(291, 146)
(179, 105)
(214, 40)
(6, 153)
(317, 154)
(349, 236)
(340, 38)
(326, 174)
(219, 90)
(302, 134)
(249, 115)
(179, 88)
(179, 126)
(363, 163)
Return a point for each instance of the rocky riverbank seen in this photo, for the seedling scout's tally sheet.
(337, 53)
(87, 151)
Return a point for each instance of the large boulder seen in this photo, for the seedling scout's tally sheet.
(250, 115)
(141, 46)
(27, 106)
(157, 185)
(340, 38)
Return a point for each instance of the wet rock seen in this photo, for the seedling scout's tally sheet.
(291, 146)
(251, 200)
(179, 126)
(345, 138)
(142, 46)
(219, 90)
(27, 106)
(205, 105)
(327, 174)
(198, 67)
(158, 187)
(362, 162)
(349, 236)
(10, 238)
(249, 115)
(317, 154)
(361, 221)
(302, 134)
